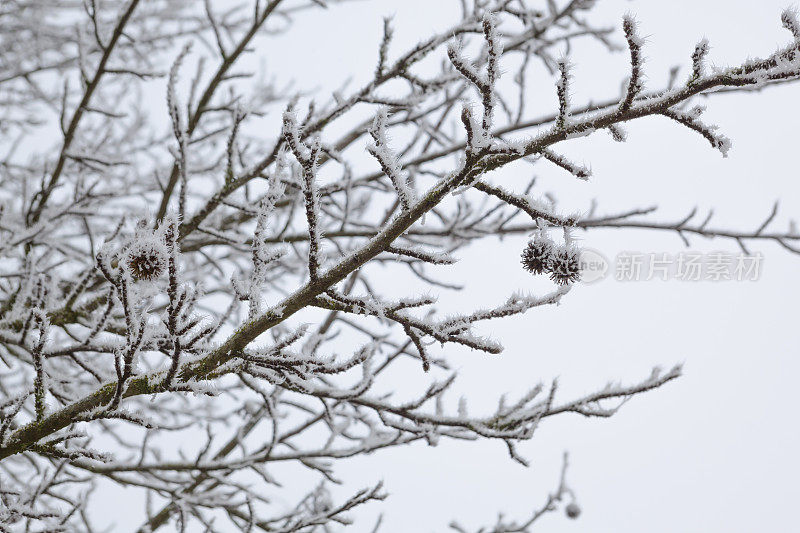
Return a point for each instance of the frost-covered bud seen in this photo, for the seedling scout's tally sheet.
(536, 256)
(147, 257)
(572, 510)
(565, 265)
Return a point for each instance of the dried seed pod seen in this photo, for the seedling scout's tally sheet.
(572, 510)
(565, 265)
(536, 255)
(147, 257)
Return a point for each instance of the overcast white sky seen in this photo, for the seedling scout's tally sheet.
(715, 451)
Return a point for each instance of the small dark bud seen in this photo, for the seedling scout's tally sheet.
(572, 511)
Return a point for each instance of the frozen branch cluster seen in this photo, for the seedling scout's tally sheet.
(187, 302)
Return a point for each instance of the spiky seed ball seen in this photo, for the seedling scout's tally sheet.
(565, 265)
(572, 510)
(146, 258)
(536, 255)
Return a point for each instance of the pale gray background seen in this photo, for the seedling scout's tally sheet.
(715, 451)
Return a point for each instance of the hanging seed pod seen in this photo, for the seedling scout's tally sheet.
(564, 265)
(572, 510)
(536, 255)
